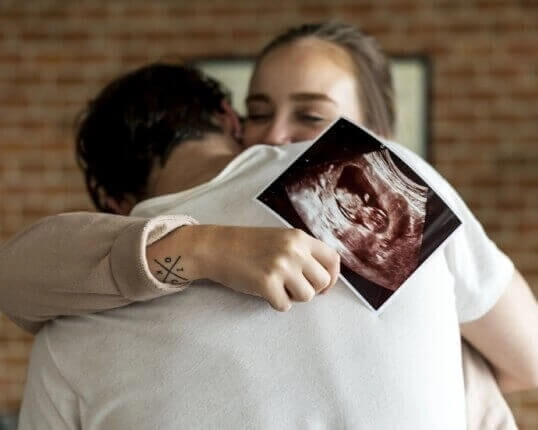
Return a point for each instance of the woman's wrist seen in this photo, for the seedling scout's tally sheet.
(174, 259)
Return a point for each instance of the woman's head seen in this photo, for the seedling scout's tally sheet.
(310, 75)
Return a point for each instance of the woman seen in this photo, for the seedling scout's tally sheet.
(323, 65)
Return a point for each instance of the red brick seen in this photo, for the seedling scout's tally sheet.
(34, 36)
(231, 11)
(358, 8)
(74, 36)
(245, 34)
(318, 10)
(460, 72)
(200, 35)
(10, 58)
(137, 11)
(403, 6)
(506, 72)
(90, 12)
(57, 13)
(491, 5)
(523, 48)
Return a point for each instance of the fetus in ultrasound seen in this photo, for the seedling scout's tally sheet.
(368, 210)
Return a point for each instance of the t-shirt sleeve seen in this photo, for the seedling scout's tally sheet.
(481, 271)
(79, 263)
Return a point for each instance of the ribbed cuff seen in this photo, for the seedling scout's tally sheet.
(128, 257)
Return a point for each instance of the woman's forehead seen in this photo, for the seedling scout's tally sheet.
(307, 53)
(307, 65)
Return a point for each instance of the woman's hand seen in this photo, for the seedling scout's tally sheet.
(278, 264)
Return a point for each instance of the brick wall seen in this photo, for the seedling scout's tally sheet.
(54, 55)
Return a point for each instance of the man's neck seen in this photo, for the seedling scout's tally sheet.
(193, 163)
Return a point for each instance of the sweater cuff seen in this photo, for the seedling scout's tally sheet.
(128, 257)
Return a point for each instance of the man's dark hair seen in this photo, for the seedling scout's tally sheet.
(136, 121)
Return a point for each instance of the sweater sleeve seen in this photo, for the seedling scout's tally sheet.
(78, 263)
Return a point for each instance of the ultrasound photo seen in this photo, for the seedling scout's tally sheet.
(350, 191)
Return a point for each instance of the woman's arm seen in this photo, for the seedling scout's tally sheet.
(507, 336)
(80, 263)
(280, 265)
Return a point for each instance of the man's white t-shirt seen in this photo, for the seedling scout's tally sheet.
(209, 357)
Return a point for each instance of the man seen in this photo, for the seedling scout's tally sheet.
(329, 363)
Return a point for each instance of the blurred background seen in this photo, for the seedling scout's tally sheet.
(481, 124)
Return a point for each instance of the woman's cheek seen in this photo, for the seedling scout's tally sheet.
(251, 134)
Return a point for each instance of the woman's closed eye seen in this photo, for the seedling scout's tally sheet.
(309, 117)
(313, 113)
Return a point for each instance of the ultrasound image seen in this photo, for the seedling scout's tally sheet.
(369, 211)
(351, 191)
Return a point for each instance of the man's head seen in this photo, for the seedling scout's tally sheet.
(134, 124)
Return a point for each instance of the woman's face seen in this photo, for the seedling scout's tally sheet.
(298, 90)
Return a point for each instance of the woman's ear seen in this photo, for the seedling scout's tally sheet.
(122, 207)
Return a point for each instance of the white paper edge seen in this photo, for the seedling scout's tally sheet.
(390, 146)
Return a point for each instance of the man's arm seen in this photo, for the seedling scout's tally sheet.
(507, 335)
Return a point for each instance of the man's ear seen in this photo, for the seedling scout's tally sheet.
(122, 207)
(229, 120)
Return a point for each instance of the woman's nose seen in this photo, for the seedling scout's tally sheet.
(277, 132)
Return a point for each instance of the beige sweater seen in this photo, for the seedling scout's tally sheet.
(80, 263)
